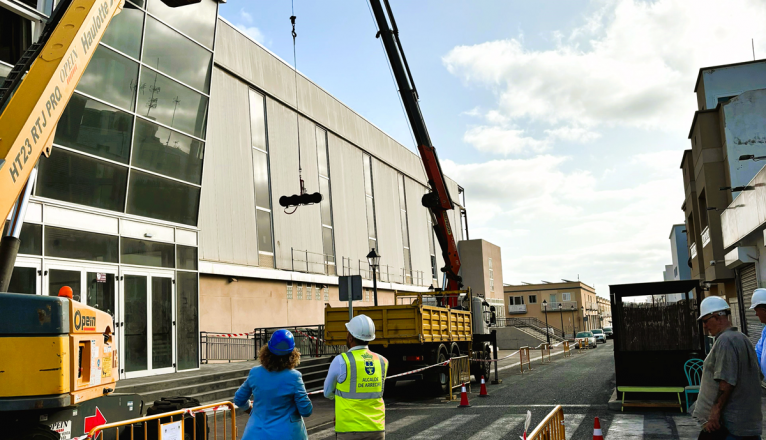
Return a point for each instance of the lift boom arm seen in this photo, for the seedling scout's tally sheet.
(438, 200)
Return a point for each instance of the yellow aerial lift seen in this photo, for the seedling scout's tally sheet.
(58, 366)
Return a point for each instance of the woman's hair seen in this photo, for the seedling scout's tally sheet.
(272, 362)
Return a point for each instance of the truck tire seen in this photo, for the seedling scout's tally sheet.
(454, 350)
(479, 369)
(169, 404)
(440, 376)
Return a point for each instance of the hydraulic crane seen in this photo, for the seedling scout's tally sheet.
(438, 200)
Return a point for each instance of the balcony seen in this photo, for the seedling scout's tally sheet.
(693, 249)
(522, 308)
(566, 306)
(705, 237)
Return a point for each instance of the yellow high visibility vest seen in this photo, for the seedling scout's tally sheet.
(359, 403)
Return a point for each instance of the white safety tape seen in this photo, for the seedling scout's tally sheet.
(400, 374)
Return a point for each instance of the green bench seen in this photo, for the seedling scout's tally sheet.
(677, 390)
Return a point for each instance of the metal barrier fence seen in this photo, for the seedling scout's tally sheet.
(459, 373)
(551, 428)
(567, 351)
(309, 340)
(524, 355)
(216, 347)
(544, 348)
(312, 262)
(179, 422)
(385, 273)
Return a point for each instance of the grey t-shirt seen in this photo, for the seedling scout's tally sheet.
(732, 359)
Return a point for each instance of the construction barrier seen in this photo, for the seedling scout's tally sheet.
(172, 424)
(459, 373)
(544, 349)
(567, 351)
(524, 357)
(551, 428)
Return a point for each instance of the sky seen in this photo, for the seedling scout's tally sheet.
(564, 120)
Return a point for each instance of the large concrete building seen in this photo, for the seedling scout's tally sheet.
(570, 305)
(159, 202)
(483, 270)
(679, 251)
(727, 125)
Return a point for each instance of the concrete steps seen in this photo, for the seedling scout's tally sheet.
(538, 333)
(209, 384)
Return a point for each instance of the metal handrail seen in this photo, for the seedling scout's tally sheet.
(226, 348)
(385, 273)
(528, 322)
(309, 340)
(326, 262)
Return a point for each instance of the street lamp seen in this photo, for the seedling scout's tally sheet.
(582, 312)
(561, 309)
(574, 322)
(547, 333)
(374, 261)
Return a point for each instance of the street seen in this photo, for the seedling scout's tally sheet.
(582, 384)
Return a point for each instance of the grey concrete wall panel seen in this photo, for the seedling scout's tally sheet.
(722, 82)
(744, 133)
(348, 200)
(227, 207)
(238, 53)
(301, 230)
(418, 223)
(747, 214)
(386, 190)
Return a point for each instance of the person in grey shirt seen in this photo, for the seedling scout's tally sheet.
(729, 402)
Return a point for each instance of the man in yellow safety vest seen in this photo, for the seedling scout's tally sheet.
(356, 381)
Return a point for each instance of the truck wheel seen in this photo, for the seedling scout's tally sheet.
(440, 377)
(454, 350)
(479, 369)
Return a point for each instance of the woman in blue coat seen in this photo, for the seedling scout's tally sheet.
(280, 400)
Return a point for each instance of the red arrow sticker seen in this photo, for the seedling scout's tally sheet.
(94, 420)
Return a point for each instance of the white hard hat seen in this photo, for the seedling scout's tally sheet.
(361, 327)
(759, 298)
(712, 304)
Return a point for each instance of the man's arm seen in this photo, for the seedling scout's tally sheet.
(337, 371)
(721, 399)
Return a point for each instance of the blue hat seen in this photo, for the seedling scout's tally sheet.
(281, 343)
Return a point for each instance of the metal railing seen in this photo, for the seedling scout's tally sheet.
(173, 424)
(312, 262)
(214, 346)
(534, 323)
(309, 340)
(565, 306)
(384, 273)
(551, 428)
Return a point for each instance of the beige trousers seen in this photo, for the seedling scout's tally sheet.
(360, 435)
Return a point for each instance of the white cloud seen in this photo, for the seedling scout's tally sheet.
(245, 16)
(496, 139)
(637, 69)
(253, 32)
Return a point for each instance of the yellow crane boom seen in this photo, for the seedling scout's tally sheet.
(27, 124)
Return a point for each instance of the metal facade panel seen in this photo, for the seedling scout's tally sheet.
(388, 216)
(227, 208)
(348, 200)
(418, 223)
(302, 229)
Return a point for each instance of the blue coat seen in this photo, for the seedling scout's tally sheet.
(279, 401)
(759, 351)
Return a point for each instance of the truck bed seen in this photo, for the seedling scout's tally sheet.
(402, 324)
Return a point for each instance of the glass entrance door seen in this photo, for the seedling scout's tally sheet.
(148, 329)
(26, 276)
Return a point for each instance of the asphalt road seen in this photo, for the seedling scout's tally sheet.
(582, 384)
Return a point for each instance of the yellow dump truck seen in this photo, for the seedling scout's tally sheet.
(416, 332)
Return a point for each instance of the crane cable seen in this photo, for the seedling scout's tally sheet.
(297, 111)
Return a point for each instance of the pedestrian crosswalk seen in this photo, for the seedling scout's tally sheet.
(479, 426)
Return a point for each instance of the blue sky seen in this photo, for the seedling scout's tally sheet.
(565, 121)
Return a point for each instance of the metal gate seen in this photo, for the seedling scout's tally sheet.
(748, 281)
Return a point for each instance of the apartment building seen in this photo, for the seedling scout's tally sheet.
(482, 270)
(679, 251)
(569, 305)
(725, 127)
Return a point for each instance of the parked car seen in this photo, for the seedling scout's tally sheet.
(599, 334)
(587, 338)
(608, 332)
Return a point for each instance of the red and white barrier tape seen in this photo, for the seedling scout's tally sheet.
(506, 357)
(309, 336)
(400, 374)
(230, 335)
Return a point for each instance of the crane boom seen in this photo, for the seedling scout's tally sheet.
(438, 200)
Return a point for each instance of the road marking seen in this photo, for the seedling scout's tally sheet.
(438, 431)
(500, 428)
(687, 427)
(626, 426)
(390, 427)
(571, 423)
(447, 405)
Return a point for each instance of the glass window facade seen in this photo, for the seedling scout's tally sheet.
(15, 36)
(132, 138)
(261, 184)
(147, 253)
(325, 206)
(31, 238)
(187, 306)
(405, 230)
(80, 245)
(372, 233)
